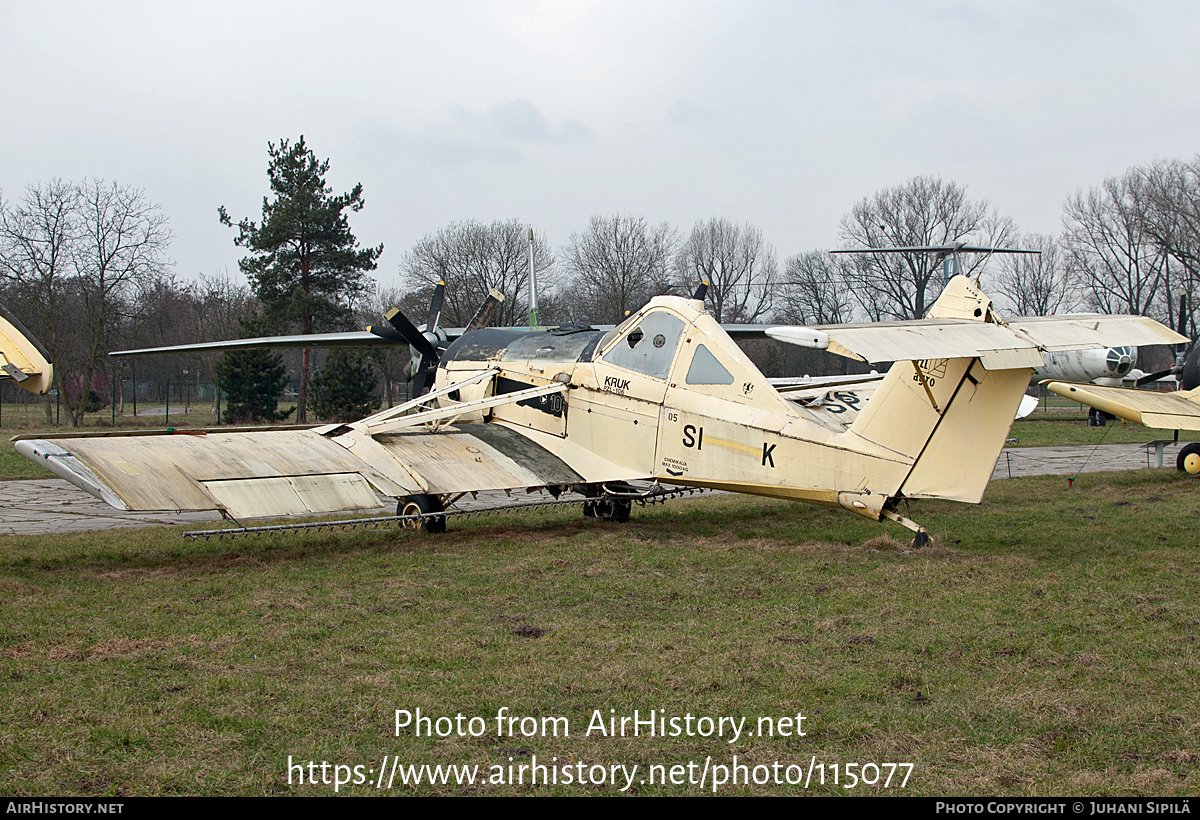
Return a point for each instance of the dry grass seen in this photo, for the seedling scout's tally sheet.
(1046, 644)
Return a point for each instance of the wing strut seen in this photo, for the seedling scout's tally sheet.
(447, 415)
(400, 409)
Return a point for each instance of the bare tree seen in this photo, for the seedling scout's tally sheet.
(1167, 195)
(472, 258)
(121, 245)
(37, 241)
(738, 265)
(1038, 284)
(617, 265)
(813, 291)
(79, 251)
(1120, 265)
(923, 211)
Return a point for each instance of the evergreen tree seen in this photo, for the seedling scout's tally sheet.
(304, 263)
(344, 389)
(253, 380)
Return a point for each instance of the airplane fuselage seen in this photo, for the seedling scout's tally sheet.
(668, 396)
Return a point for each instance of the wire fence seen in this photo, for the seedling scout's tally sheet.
(1071, 460)
(130, 401)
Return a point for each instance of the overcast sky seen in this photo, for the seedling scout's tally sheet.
(783, 114)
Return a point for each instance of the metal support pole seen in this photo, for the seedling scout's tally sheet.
(534, 319)
(167, 423)
(112, 398)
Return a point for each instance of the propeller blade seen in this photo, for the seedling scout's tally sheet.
(1153, 377)
(385, 332)
(422, 374)
(701, 291)
(435, 308)
(480, 319)
(1189, 376)
(410, 333)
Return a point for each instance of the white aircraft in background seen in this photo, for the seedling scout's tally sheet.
(1109, 367)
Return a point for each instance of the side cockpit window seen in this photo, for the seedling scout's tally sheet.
(649, 346)
(706, 369)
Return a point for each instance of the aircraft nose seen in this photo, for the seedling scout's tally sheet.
(1120, 360)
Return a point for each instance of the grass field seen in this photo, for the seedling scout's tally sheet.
(1045, 644)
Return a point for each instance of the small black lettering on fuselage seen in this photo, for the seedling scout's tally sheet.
(693, 437)
(767, 457)
(612, 384)
(552, 405)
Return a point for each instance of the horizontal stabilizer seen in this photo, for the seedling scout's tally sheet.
(1014, 344)
(998, 347)
(1093, 331)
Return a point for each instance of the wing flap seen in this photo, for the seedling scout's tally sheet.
(478, 457)
(293, 495)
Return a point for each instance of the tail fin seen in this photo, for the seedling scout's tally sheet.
(22, 358)
(950, 416)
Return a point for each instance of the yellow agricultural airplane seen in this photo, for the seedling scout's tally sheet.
(22, 358)
(666, 396)
(1179, 410)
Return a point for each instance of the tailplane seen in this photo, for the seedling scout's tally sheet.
(949, 415)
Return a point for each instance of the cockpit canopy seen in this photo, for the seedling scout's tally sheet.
(497, 344)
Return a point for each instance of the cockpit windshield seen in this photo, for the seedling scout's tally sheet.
(646, 345)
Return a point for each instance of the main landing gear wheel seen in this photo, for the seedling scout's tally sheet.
(608, 509)
(1188, 460)
(421, 504)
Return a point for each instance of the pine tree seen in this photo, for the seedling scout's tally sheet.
(304, 263)
(253, 380)
(344, 389)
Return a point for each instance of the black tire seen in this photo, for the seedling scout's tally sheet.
(608, 509)
(1188, 460)
(413, 504)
